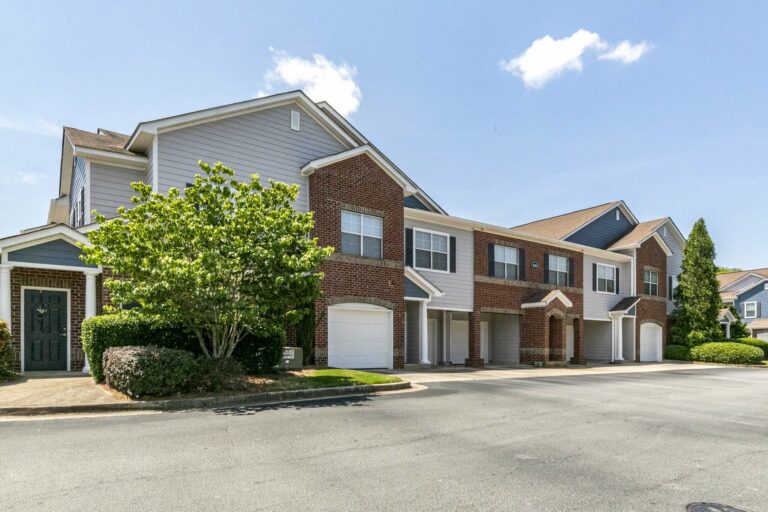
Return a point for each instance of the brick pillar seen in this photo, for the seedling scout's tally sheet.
(556, 339)
(534, 336)
(475, 359)
(321, 333)
(398, 341)
(578, 341)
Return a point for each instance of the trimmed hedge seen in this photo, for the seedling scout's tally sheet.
(218, 374)
(148, 370)
(130, 329)
(754, 342)
(7, 354)
(727, 352)
(677, 352)
(260, 354)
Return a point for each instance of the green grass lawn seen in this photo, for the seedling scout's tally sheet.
(329, 378)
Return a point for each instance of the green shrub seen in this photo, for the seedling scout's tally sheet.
(677, 352)
(7, 354)
(218, 374)
(130, 329)
(260, 354)
(696, 338)
(148, 370)
(754, 342)
(727, 352)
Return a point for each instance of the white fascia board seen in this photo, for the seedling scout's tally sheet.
(236, 109)
(110, 158)
(470, 225)
(617, 204)
(43, 235)
(750, 286)
(731, 285)
(360, 150)
(341, 120)
(655, 235)
(423, 283)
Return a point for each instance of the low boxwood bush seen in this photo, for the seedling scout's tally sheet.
(148, 370)
(130, 329)
(727, 352)
(677, 352)
(755, 342)
(7, 354)
(260, 354)
(218, 375)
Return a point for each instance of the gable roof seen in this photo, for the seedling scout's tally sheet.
(727, 279)
(625, 304)
(541, 298)
(562, 226)
(104, 140)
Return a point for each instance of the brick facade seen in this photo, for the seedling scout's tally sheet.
(359, 184)
(537, 343)
(651, 308)
(59, 279)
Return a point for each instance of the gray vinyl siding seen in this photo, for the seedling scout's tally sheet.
(603, 231)
(150, 175)
(412, 290)
(458, 287)
(79, 177)
(597, 340)
(261, 142)
(111, 187)
(674, 262)
(55, 252)
(743, 283)
(757, 294)
(504, 338)
(597, 305)
(628, 333)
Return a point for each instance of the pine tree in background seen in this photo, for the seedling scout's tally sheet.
(697, 299)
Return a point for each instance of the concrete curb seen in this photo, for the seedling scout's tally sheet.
(211, 402)
(733, 365)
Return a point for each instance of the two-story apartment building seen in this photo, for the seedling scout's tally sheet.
(407, 284)
(747, 291)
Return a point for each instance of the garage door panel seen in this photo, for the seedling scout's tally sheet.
(505, 338)
(359, 337)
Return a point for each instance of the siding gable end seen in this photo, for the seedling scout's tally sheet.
(603, 231)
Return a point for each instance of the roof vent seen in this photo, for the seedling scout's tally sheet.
(618, 214)
(295, 120)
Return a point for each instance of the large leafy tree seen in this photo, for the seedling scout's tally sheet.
(697, 299)
(225, 257)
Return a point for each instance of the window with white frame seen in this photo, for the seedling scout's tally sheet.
(606, 278)
(431, 250)
(558, 270)
(750, 310)
(506, 262)
(361, 234)
(650, 282)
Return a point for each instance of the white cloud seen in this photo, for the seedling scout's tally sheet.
(547, 57)
(320, 78)
(37, 126)
(626, 52)
(29, 178)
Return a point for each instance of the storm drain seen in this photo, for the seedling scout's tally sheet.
(712, 507)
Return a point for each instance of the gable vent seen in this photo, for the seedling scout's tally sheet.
(295, 120)
(618, 214)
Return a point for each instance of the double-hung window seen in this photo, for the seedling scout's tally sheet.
(750, 310)
(650, 282)
(431, 250)
(361, 234)
(606, 278)
(558, 270)
(506, 262)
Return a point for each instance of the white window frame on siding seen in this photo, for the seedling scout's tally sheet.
(370, 227)
(754, 310)
(554, 266)
(649, 282)
(431, 250)
(295, 120)
(607, 270)
(509, 258)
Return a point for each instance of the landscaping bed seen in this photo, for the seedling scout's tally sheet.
(284, 381)
(744, 351)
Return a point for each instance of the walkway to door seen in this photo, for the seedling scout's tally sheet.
(53, 388)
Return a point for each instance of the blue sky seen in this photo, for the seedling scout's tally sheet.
(681, 130)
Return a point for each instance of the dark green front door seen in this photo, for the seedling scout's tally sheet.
(45, 330)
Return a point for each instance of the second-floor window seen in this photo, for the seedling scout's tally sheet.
(606, 278)
(750, 310)
(650, 282)
(361, 234)
(431, 250)
(505, 262)
(558, 270)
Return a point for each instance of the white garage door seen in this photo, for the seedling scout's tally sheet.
(650, 342)
(359, 336)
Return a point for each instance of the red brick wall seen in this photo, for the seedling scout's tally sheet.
(359, 184)
(74, 281)
(494, 293)
(651, 309)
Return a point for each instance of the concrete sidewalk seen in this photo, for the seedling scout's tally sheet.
(526, 372)
(54, 389)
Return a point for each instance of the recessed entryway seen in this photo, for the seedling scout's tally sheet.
(45, 328)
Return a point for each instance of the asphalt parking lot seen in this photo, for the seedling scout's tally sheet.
(612, 442)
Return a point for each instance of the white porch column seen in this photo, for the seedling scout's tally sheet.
(728, 331)
(424, 334)
(90, 302)
(619, 338)
(5, 293)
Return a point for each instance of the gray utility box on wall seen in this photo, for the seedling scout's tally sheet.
(293, 358)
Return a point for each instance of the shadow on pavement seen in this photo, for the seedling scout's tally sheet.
(249, 410)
